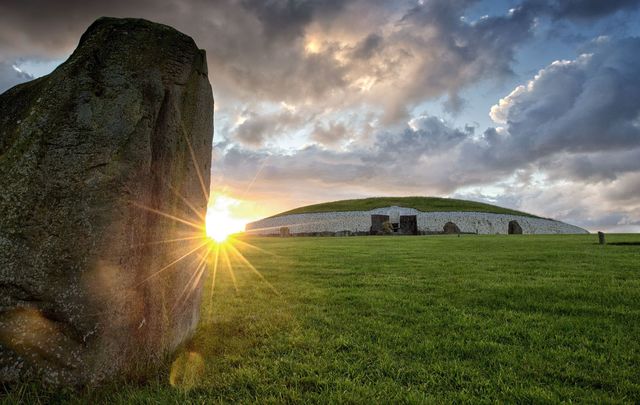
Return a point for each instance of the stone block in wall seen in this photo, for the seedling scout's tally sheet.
(284, 232)
(514, 228)
(450, 228)
(377, 224)
(408, 225)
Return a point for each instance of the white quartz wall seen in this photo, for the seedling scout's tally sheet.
(360, 221)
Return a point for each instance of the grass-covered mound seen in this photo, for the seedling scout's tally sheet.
(425, 204)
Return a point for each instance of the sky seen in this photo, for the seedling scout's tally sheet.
(528, 104)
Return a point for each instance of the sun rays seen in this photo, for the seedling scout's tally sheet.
(220, 221)
(206, 246)
(203, 241)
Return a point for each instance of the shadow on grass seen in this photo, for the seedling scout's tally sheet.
(624, 243)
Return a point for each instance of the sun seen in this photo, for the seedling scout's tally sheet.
(312, 46)
(220, 221)
(218, 234)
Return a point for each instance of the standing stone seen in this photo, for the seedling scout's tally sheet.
(387, 228)
(284, 232)
(601, 239)
(87, 291)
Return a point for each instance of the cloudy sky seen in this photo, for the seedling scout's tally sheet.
(530, 104)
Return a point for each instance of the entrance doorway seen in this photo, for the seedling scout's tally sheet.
(408, 225)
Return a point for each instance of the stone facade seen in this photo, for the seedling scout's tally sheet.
(359, 222)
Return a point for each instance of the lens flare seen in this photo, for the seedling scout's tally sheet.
(187, 370)
(220, 220)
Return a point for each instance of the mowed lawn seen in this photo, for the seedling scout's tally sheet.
(408, 319)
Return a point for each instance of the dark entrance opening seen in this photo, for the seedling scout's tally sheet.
(394, 227)
(408, 225)
(514, 228)
(377, 224)
(450, 227)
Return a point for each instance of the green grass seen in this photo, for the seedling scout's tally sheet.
(425, 204)
(427, 319)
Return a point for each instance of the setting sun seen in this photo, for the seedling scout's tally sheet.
(221, 220)
(312, 46)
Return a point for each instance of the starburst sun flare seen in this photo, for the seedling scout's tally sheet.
(221, 220)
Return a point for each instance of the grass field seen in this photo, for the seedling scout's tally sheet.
(425, 204)
(409, 319)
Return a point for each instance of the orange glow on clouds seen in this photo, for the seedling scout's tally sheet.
(312, 46)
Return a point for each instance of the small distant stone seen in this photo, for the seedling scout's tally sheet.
(284, 232)
(601, 238)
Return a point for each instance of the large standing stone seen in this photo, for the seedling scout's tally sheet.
(126, 122)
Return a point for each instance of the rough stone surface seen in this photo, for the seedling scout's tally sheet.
(428, 222)
(408, 225)
(377, 224)
(450, 228)
(514, 228)
(601, 238)
(81, 151)
(284, 232)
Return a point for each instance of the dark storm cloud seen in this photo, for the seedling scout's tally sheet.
(628, 189)
(256, 128)
(415, 157)
(259, 49)
(585, 106)
(286, 18)
(255, 49)
(52, 28)
(368, 46)
(578, 124)
(425, 136)
(450, 53)
(596, 166)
